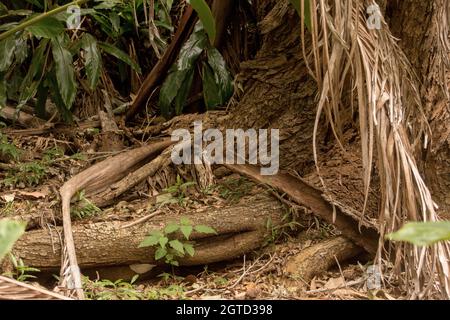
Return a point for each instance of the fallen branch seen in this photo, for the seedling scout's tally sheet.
(241, 228)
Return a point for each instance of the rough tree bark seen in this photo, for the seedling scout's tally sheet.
(421, 28)
(240, 229)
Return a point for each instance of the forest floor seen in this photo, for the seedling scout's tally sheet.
(33, 168)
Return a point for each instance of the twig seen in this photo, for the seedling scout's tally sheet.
(141, 220)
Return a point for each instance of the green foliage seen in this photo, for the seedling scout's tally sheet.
(21, 271)
(109, 290)
(178, 190)
(234, 189)
(10, 232)
(297, 4)
(8, 149)
(422, 234)
(84, 207)
(217, 81)
(38, 55)
(30, 174)
(206, 17)
(168, 245)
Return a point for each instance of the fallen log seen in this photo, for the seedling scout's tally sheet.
(240, 229)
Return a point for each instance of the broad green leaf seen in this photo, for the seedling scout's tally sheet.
(177, 245)
(170, 89)
(163, 241)
(185, 221)
(186, 231)
(21, 51)
(171, 228)
(37, 62)
(160, 253)
(119, 54)
(222, 77)
(6, 53)
(46, 28)
(175, 263)
(422, 234)
(206, 17)
(177, 85)
(93, 60)
(65, 74)
(56, 97)
(211, 91)
(10, 232)
(192, 49)
(149, 241)
(297, 5)
(183, 92)
(189, 248)
(205, 229)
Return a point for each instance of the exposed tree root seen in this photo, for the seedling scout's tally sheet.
(311, 198)
(95, 179)
(318, 258)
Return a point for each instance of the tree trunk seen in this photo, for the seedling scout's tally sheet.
(420, 26)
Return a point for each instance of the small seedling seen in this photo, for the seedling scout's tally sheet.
(84, 207)
(179, 189)
(167, 244)
(8, 149)
(21, 271)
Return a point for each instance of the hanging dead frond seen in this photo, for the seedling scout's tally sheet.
(355, 60)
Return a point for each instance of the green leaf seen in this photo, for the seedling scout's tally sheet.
(160, 253)
(211, 91)
(170, 89)
(46, 28)
(56, 97)
(6, 53)
(189, 248)
(10, 232)
(65, 74)
(183, 92)
(149, 241)
(222, 77)
(93, 60)
(177, 85)
(192, 49)
(177, 245)
(163, 241)
(171, 228)
(205, 229)
(185, 221)
(119, 54)
(186, 231)
(422, 234)
(21, 51)
(206, 17)
(175, 263)
(297, 6)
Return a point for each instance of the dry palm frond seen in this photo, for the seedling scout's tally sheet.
(347, 55)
